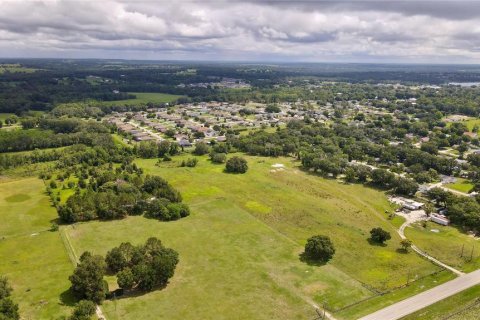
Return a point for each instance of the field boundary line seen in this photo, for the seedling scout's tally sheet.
(68, 246)
(470, 306)
(73, 258)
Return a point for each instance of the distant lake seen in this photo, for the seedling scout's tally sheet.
(464, 84)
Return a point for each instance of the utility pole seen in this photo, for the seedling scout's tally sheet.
(463, 246)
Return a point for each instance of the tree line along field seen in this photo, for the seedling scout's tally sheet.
(246, 233)
(33, 258)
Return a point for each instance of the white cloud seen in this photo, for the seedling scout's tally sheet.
(312, 31)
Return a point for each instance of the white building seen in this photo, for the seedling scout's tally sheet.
(412, 205)
(437, 218)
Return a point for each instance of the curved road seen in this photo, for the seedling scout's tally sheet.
(401, 232)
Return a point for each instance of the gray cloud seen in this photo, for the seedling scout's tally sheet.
(407, 31)
(448, 9)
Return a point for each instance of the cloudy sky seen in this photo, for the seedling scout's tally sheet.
(433, 31)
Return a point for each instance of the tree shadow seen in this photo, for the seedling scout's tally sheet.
(402, 251)
(68, 298)
(311, 262)
(316, 173)
(134, 292)
(375, 243)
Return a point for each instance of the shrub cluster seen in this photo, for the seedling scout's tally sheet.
(8, 308)
(142, 267)
(114, 194)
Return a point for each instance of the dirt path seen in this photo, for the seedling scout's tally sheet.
(74, 259)
(401, 232)
(455, 192)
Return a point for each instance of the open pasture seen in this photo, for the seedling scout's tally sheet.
(32, 257)
(144, 98)
(240, 249)
(448, 244)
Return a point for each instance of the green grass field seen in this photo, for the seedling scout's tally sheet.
(241, 245)
(379, 302)
(25, 207)
(470, 123)
(33, 259)
(462, 185)
(462, 306)
(144, 98)
(4, 116)
(119, 140)
(446, 245)
(28, 170)
(15, 68)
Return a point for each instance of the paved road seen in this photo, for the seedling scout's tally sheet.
(426, 298)
(147, 130)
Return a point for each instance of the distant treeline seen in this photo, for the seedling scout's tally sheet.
(52, 133)
(58, 82)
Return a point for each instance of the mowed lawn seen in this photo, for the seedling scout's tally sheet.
(462, 185)
(145, 97)
(33, 259)
(470, 123)
(24, 207)
(239, 250)
(446, 245)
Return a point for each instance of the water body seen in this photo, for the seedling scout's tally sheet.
(464, 84)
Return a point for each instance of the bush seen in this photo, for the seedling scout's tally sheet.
(218, 157)
(190, 162)
(5, 288)
(157, 209)
(319, 248)
(236, 165)
(81, 183)
(83, 311)
(8, 308)
(272, 109)
(379, 235)
(200, 149)
(178, 210)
